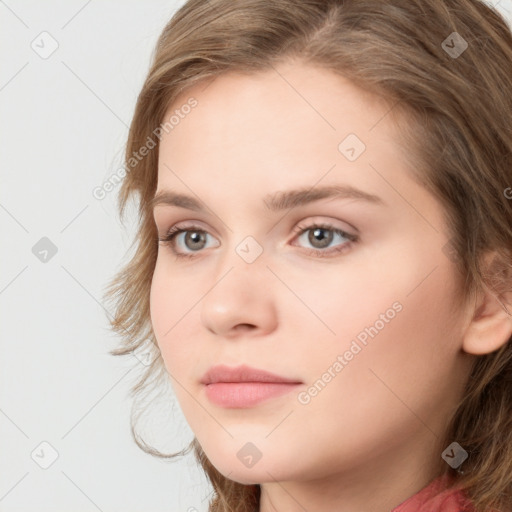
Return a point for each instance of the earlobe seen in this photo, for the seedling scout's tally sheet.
(491, 326)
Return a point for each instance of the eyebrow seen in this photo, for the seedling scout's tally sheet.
(275, 202)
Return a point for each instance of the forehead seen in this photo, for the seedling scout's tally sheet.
(291, 100)
(293, 122)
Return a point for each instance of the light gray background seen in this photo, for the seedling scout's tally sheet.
(64, 123)
(63, 126)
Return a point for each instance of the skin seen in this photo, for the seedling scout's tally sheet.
(377, 425)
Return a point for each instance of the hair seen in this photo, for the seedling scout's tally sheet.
(458, 136)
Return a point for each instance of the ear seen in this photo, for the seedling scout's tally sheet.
(491, 324)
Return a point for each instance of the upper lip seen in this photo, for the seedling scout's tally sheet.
(243, 373)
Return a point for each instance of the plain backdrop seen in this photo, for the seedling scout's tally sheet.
(70, 73)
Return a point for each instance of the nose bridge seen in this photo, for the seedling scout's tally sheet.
(242, 266)
(240, 292)
(243, 251)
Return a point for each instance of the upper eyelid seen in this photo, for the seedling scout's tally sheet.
(186, 226)
(313, 219)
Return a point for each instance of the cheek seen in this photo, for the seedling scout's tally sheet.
(166, 309)
(415, 350)
(342, 302)
(395, 314)
(402, 372)
(174, 312)
(168, 299)
(158, 303)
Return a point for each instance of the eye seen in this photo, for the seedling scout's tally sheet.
(194, 239)
(320, 237)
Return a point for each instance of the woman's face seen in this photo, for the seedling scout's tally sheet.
(363, 319)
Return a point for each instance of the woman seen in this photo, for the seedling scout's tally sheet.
(324, 251)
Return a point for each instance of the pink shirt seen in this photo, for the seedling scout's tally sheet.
(436, 498)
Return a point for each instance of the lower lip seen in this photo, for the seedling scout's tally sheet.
(245, 394)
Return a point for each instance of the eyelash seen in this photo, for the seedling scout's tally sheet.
(168, 239)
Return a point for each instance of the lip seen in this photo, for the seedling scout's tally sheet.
(243, 387)
(242, 395)
(243, 373)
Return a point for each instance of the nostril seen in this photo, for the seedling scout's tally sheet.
(244, 327)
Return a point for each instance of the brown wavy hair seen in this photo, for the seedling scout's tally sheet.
(459, 140)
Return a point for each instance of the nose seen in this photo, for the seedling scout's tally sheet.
(240, 301)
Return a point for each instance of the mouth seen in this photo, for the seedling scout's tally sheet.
(244, 386)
